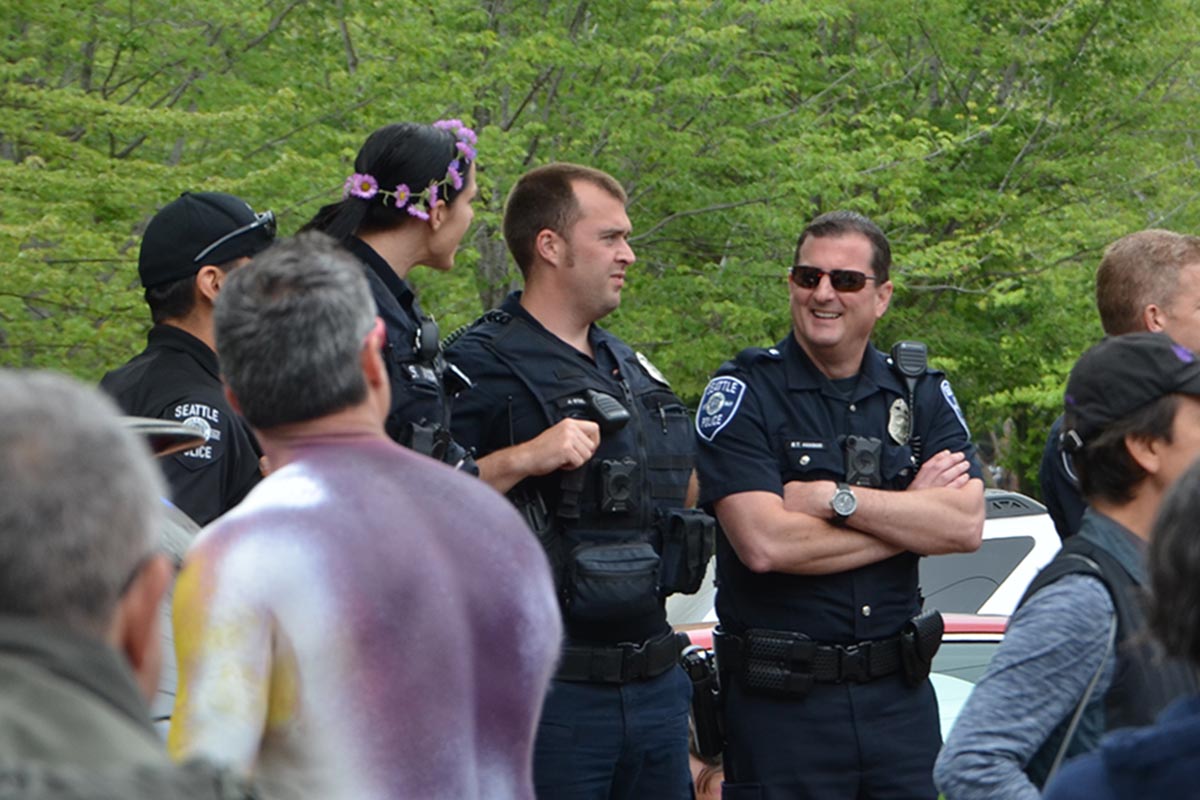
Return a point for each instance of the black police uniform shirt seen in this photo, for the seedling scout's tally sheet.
(418, 395)
(177, 378)
(500, 410)
(769, 417)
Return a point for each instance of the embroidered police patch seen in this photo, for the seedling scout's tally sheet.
(948, 393)
(720, 403)
(204, 420)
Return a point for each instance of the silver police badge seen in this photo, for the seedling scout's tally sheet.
(900, 422)
(651, 370)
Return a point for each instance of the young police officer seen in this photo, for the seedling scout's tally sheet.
(592, 445)
(830, 474)
(187, 250)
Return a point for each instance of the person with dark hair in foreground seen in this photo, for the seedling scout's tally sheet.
(348, 631)
(1076, 659)
(408, 204)
(81, 582)
(187, 252)
(1161, 760)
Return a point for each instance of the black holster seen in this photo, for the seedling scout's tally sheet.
(688, 538)
(920, 639)
(706, 701)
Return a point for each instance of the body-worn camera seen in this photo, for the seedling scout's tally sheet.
(618, 485)
(863, 455)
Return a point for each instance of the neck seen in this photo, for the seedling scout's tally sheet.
(830, 364)
(402, 248)
(557, 314)
(198, 324)
(1136, 515)
(357, 422)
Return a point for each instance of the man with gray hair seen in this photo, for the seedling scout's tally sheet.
(80, 586)
(347, 630)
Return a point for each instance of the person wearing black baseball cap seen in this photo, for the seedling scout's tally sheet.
(1076, 659)
(188, 248)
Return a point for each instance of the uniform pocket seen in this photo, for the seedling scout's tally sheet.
(612, 581)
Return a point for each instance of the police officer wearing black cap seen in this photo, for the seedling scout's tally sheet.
(187, 249)
(831, 470)
(594, 448)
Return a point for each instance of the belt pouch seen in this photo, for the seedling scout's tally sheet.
(920, 639)
(612, 581)
(688, 540)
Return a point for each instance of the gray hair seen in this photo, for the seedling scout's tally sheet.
(290, 326)
(79, 501)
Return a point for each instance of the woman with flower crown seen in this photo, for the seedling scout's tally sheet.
(408, 203)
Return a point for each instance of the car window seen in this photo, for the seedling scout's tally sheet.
(962, 582)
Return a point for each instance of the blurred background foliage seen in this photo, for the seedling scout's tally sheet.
(1000, 145)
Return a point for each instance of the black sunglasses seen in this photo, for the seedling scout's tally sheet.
(842, 280)
(265, 220)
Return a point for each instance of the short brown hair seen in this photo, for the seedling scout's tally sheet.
(841, 223)
(544, 198)
(1139, 270)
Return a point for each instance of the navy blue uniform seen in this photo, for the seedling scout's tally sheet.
(770, 417)
(611, 735)
(177, 378)
(1060, 485)
(420, 413)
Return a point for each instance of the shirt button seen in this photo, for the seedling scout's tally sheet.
(866, 611)
(804, 461)
(852, 408)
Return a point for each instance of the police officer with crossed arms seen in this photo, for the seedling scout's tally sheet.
(831, 470)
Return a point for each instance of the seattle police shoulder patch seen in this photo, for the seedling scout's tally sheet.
(948, 393)
(720, 403)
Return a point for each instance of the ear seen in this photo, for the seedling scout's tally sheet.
(1145, 451)
(1154, 318)
(437, 215)
(137, 629)
(208, 282)
(548, 245)
(373, 366)
(883, 298)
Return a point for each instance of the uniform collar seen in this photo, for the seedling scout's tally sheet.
(597, 336)
(803, 375)
(173, 338)
(382, 269)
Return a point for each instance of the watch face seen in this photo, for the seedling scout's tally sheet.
(844, 502)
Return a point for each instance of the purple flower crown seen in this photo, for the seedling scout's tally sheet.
(366, 187)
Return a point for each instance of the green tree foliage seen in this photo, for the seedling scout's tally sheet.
(1001, 145)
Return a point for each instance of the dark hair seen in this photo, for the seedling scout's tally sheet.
(401, 153)
(1105, 467)
(840, 223)
(289, 331)
(1174, 567)
(176, 299)
(544, 199)
(1138, 270)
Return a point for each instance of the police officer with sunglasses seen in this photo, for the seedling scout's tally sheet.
(188, 249)
(831, 471)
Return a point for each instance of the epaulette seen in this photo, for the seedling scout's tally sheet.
(495, 316)
(752, 355)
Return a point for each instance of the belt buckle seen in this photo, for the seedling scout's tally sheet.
(633, 660)
(854, 662)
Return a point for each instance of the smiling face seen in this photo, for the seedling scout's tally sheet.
(597, 252)
(834, 327)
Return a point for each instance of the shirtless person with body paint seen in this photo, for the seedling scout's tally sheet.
(368, 623)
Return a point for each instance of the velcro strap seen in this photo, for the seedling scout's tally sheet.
(787, 662)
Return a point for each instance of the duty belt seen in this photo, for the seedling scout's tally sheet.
(619, 663)
(788, 663)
